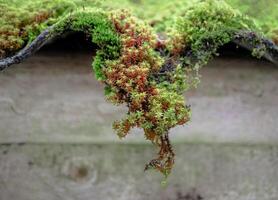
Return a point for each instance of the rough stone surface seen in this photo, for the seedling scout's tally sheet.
(115, 172)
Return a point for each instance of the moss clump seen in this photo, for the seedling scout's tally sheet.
(264, 13)
(151, 105)
(22, 21)
(208, 25)
(97, 25)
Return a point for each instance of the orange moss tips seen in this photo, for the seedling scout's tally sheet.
(176, 43)
(133, 119)
(122, 127)
(167, 110)
(130, 72)
(24, 21)
(17, 26)
(275, 36)
(9, 43)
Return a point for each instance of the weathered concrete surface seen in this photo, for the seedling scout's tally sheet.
(115, 172)
(53, 97)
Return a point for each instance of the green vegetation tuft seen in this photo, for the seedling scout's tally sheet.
(96, 24)
(210, 24)
(22, 21)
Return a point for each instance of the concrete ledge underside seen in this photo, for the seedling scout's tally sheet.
(56, 140)
(54, 98)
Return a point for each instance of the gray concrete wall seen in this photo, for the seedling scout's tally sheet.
(55, 98)
(56, 140)
(109, 172)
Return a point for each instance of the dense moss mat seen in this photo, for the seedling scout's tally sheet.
(21, 21)
(264, 13)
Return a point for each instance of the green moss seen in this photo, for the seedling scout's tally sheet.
(99, 61)
(264, 13)
(22, 21)
(96, 24)
(210, 24)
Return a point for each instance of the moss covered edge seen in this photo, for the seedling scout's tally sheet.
(146, 70)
